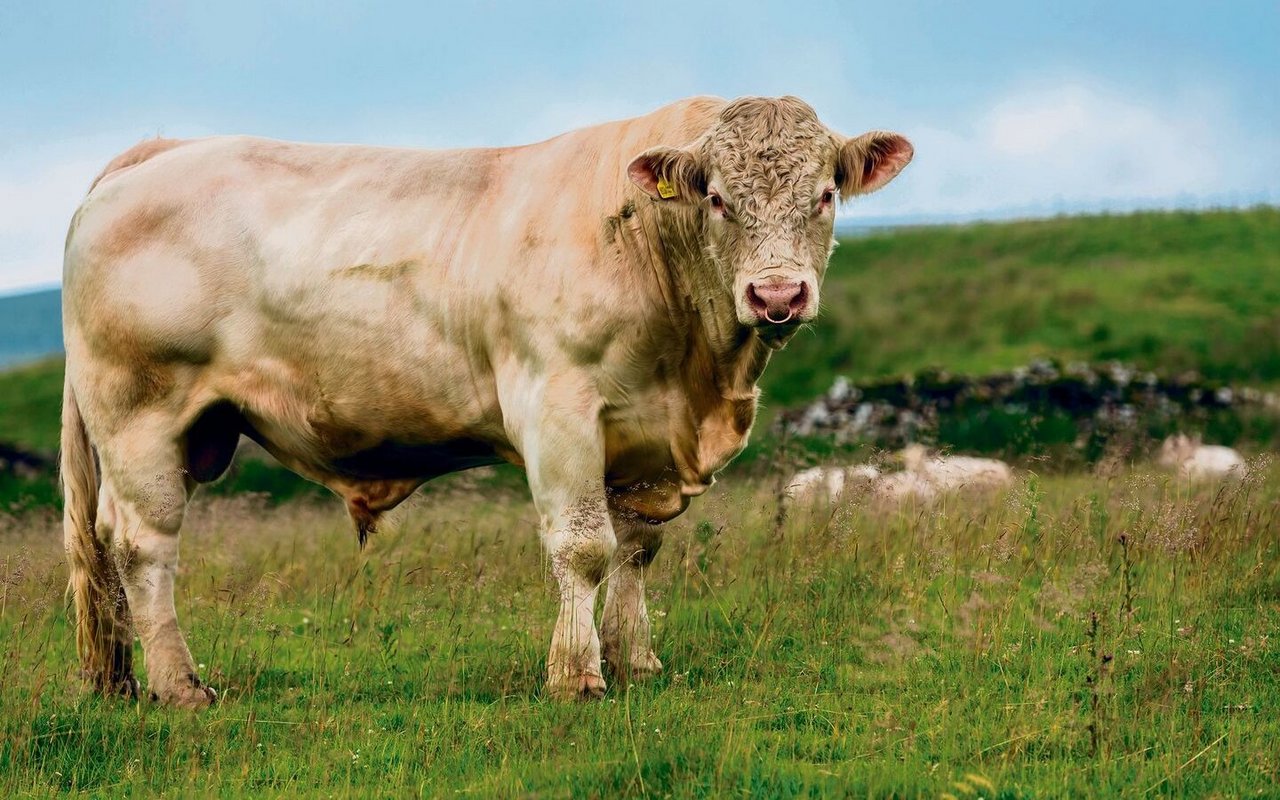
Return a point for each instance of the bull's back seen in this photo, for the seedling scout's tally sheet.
(310, 231)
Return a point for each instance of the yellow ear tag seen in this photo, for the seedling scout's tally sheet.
(665, 190)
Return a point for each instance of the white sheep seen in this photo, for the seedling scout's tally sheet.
(957, 473)
(827, 483)
(895, 489)
(1194, 461)
(922, 482)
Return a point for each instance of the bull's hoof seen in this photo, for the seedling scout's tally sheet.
(125, 685)
(581, 686)
(641, 666)
(192, 694)
(645, 666)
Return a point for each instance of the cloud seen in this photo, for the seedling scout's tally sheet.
(36, 205)
(1076, 146)
(40, 188)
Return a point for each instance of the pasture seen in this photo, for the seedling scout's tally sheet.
(1105, 635)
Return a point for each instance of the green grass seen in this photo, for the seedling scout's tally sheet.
(31, 405)
(952, 652)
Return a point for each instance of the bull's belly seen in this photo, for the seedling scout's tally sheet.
(393, 460)
(378, 477)
(362, 455)
(335, 413)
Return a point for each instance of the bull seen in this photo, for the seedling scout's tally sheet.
(595, 308)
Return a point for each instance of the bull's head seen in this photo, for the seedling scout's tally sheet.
(765, 180)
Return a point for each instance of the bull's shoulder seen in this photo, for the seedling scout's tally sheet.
(690, 115)
(140, 152)
(698, 107)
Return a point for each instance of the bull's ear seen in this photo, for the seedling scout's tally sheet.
(871, 160)
(670, 174)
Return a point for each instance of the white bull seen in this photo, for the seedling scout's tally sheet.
(596, 308)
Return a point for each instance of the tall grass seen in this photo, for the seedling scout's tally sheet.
(1105, 635)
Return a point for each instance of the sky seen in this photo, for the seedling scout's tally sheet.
(1015, 108)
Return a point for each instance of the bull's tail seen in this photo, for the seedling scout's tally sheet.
(103, 639)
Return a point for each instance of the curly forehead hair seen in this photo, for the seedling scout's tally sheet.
(765, 149)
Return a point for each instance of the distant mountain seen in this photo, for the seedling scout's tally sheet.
(30, 326)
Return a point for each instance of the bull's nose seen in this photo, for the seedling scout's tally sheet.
(778, 302)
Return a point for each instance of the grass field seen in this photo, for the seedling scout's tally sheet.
(1015, 647)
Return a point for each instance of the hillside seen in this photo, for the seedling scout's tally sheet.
(31, 404)
(1167, 291)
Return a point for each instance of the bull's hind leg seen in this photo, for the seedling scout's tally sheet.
(145, 475)
(624, 629)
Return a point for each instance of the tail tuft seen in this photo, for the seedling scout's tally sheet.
(104, 641)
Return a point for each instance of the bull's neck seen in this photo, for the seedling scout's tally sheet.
(699, 298)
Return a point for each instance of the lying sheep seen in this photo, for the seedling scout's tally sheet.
(923, 481)
(1194, 461)
(957, 473)
(896, 489)
(827, 483)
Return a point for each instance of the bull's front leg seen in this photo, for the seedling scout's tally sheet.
(565, 459)
(580, 543)
(625, 624)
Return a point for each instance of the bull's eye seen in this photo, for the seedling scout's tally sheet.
(716, 201)
(828, 197)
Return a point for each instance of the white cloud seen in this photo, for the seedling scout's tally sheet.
(40, 188)
(35, 209)
(1075, 146)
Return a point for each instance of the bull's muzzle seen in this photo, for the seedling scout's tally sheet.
(777, 302)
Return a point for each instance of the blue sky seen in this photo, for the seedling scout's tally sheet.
(1016, 108)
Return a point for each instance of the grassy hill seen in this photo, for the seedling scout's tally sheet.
(1168, 291)
(31, 405)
